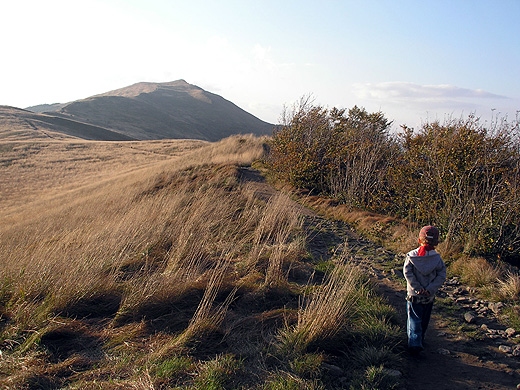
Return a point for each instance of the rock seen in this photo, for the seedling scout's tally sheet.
(460, 291)
(442, 351)
(510, 332)
(334, 370)
(484, 327)
(505, 349)
(393, 373)
(516, 351)
(495, 306)
(452, 282)
(469, 317)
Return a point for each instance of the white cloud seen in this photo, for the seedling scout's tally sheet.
(412, 103)
(405, 91)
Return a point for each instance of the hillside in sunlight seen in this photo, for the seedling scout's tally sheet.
(182, 264)
(171, 264)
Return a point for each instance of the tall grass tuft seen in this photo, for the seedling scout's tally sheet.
(476, 272)
(327, 310)
(208, 315)
(509, 286)
(274, 237)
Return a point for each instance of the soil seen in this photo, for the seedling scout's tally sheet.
(452, 359)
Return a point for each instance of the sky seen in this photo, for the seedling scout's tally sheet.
(415, 61)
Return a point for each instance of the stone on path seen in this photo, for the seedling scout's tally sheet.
(505, 349)
(469, 317)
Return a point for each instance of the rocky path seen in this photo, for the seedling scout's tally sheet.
(465, 347)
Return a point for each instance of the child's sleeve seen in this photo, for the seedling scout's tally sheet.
(439, 278)
(409, 275)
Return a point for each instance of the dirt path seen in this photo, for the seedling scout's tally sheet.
(451, 360)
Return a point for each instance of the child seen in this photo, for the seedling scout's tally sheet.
(425, 272)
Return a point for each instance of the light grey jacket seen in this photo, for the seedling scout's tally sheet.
(428, 272)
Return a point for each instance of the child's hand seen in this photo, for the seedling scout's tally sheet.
(423, 292)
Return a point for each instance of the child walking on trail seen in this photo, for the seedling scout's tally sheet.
(425, 272)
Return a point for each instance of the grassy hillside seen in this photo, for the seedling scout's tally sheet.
(42, 169)
(158, 266)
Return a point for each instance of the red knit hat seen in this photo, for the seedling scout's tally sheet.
(430, 234)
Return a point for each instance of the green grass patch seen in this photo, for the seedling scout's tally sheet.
(214, 374)
(285, 381)
(172, 367)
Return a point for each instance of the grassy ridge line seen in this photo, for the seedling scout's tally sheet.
(90, 224)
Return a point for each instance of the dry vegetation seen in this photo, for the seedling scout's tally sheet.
(461, 175)
(155, 265)
(39, 170)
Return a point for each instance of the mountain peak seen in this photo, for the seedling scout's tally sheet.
(174, 109)
(137, 89)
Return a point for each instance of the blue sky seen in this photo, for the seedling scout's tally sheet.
(415, 61)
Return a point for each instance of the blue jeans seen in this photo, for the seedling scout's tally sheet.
(418, 318)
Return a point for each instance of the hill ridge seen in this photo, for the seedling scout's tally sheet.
(136, 89)
(169, 110)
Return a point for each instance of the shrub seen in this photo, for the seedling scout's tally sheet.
(335, 152)
(459, 175)
(462, 177)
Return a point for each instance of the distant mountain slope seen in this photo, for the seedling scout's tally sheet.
(17, 124)
(163, 110)
(46, 107)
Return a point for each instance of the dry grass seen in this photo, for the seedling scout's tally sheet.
(137, 230)
(80, 238)
(509, 286)
(274, 238)
(36, 171)
(326, 311)
(476, 272)
(141, 264)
